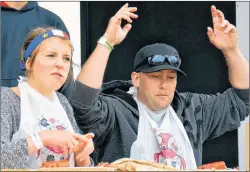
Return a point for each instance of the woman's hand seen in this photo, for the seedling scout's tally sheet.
(64, 141)
(115, 34)
(83, 150)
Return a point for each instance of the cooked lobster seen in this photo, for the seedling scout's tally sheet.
(220, 165)
(51, 164)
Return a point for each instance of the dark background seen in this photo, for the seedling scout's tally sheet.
(182, 25)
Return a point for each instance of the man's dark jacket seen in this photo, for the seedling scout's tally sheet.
(112, 115)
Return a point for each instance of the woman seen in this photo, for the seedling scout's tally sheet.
(37, 123)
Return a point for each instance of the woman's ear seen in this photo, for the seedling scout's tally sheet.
(135, 79)
(28, 64)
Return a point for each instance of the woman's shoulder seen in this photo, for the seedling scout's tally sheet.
(61, 97)
(5, 89)
(8, 94)
(9, 100)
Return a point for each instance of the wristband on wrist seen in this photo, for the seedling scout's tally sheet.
(105, 43)
(37, 140)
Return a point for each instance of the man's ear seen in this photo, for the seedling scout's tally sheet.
(135, 79)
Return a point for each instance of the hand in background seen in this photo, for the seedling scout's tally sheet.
(223, 35)
(83, 150)
(114, 33)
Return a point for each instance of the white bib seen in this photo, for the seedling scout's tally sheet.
(39, 113)
(167, 143)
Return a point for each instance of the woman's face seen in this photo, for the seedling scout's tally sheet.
(52, 63)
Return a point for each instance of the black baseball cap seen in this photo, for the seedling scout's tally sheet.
(144, 59)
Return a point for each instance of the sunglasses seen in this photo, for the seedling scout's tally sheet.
(160, 59)
(157, 60)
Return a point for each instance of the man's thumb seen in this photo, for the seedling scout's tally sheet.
(127, 28)
(210, 34)
(90, 135)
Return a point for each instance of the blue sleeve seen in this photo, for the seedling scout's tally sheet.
(93, 112)
(220, 112)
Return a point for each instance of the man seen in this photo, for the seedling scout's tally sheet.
(149, 119)
(17, 20)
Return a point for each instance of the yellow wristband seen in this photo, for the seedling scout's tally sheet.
(105, 43)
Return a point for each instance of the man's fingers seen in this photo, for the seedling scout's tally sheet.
(233, 30)
(90, 135)
(89, 148)
(214, 15)
(127, 28)
(80, 137)
(220, 16)
(126, 8)
(125, 13)
(132, 15)
(225, 23)
(132, 9)
(210, 34)
(230, 28)
(81, 156)
(213, 11)
(123, 7)
(210, 30)
(80, 147)
(125, 17)
(215, 19)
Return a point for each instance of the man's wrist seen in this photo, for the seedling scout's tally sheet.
(86, 162)
(103, 41)
(108, 39)
(231, 52)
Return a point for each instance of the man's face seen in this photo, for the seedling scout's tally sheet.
(155, 90)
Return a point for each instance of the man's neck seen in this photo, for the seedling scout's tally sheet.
(16, 5)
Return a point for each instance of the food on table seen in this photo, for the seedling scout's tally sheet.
(127, 164)
(220, 165)
(52, 164)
